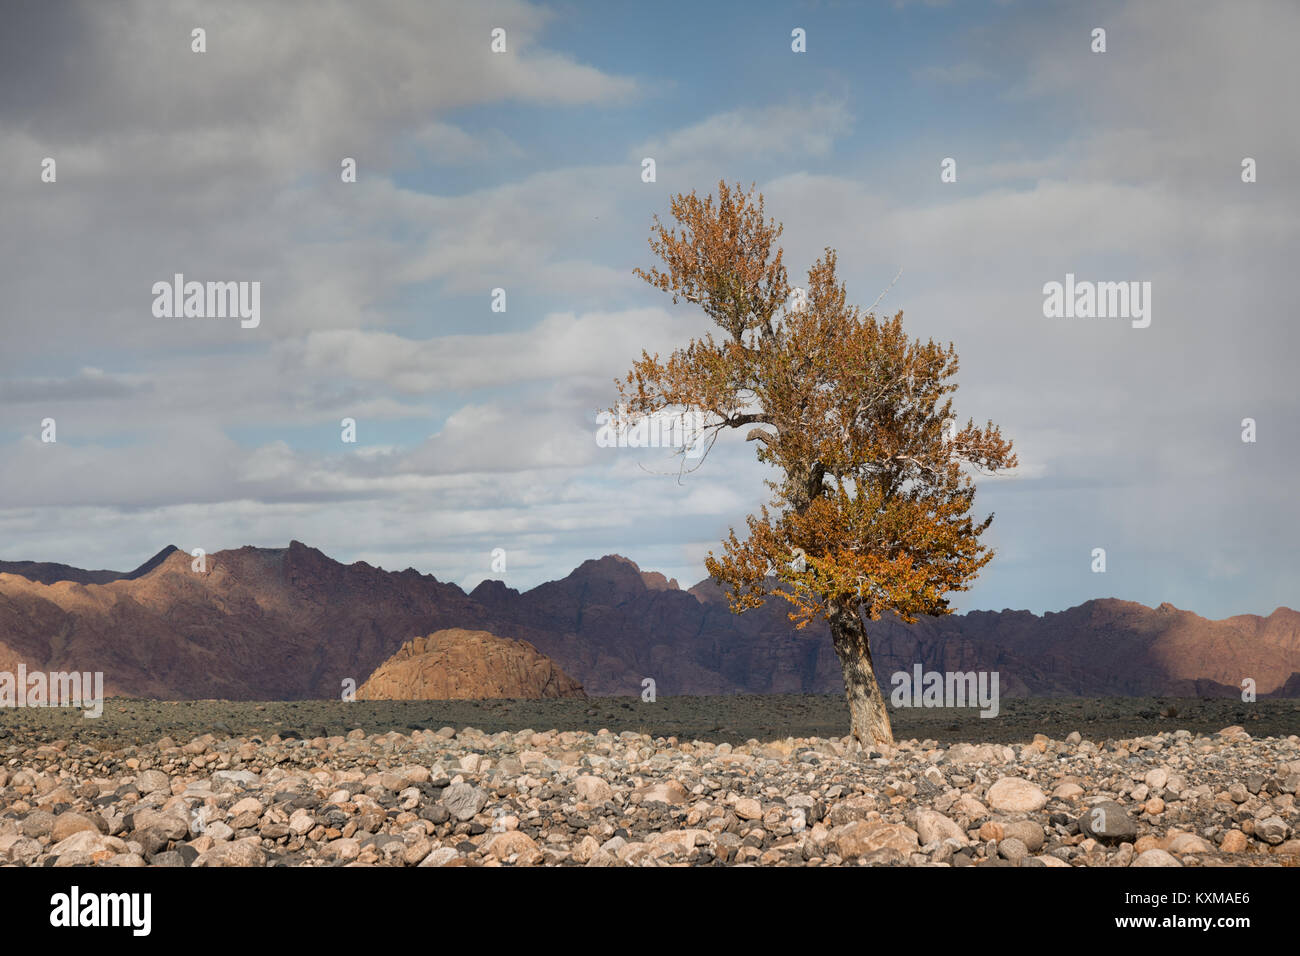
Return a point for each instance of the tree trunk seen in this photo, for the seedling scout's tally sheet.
(868, 715)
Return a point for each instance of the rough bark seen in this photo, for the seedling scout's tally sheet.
(868, 715)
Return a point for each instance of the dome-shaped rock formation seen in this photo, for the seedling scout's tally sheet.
(456, 664)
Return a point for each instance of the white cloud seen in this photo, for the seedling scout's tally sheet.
(562, 345)
(788, 130)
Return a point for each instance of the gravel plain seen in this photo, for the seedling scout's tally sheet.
(329, 784)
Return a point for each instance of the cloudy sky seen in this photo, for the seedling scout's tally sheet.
(522, 171)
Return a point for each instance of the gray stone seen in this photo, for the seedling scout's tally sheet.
(1012, 849)
(170, 824)
(440, 857)
(1108, 822)
(1272, 830)
(153, 781)
(168, 858)
(244, 778)
(463, 801)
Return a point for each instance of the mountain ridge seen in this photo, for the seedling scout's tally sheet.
(288, 623)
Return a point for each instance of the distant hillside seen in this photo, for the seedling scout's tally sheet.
(289, 623)
(49, 573)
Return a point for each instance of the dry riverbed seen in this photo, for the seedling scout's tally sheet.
(278, 786)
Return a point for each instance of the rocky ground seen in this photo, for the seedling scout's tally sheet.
(448, 797)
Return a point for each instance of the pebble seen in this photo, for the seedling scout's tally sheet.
(1028, 832)
(934, 827)
(1156, 778)
(1156, 857)
(1234, 841)
(1016, 795)
(66, 824)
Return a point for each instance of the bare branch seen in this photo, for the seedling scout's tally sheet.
(886, 292)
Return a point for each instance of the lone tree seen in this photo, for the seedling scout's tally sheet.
(871, 510)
